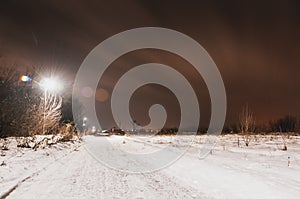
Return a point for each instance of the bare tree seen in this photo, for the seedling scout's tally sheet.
(246, 124)
(284, 126)
(44, 117)
(51, 112)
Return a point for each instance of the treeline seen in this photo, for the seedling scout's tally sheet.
(285, 124)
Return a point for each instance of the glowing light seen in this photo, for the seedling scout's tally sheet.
(51, 84)
(25, 78)
(94, 129)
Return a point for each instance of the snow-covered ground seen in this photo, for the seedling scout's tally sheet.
(18, 164)
(65, 170)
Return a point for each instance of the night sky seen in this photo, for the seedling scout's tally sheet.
(255, 44)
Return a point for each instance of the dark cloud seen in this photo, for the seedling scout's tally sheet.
(255, 44)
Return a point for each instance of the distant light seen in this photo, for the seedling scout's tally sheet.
(85, 119)
(25, 78)
(94, 129)
(51, 84)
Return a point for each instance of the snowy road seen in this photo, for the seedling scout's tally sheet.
(230, 172)
(79, 175)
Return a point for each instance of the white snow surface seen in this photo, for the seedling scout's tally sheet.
(67, 170)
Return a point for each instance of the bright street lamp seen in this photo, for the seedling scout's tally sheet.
(51, 84)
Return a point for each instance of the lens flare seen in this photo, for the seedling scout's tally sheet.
(25, 78)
